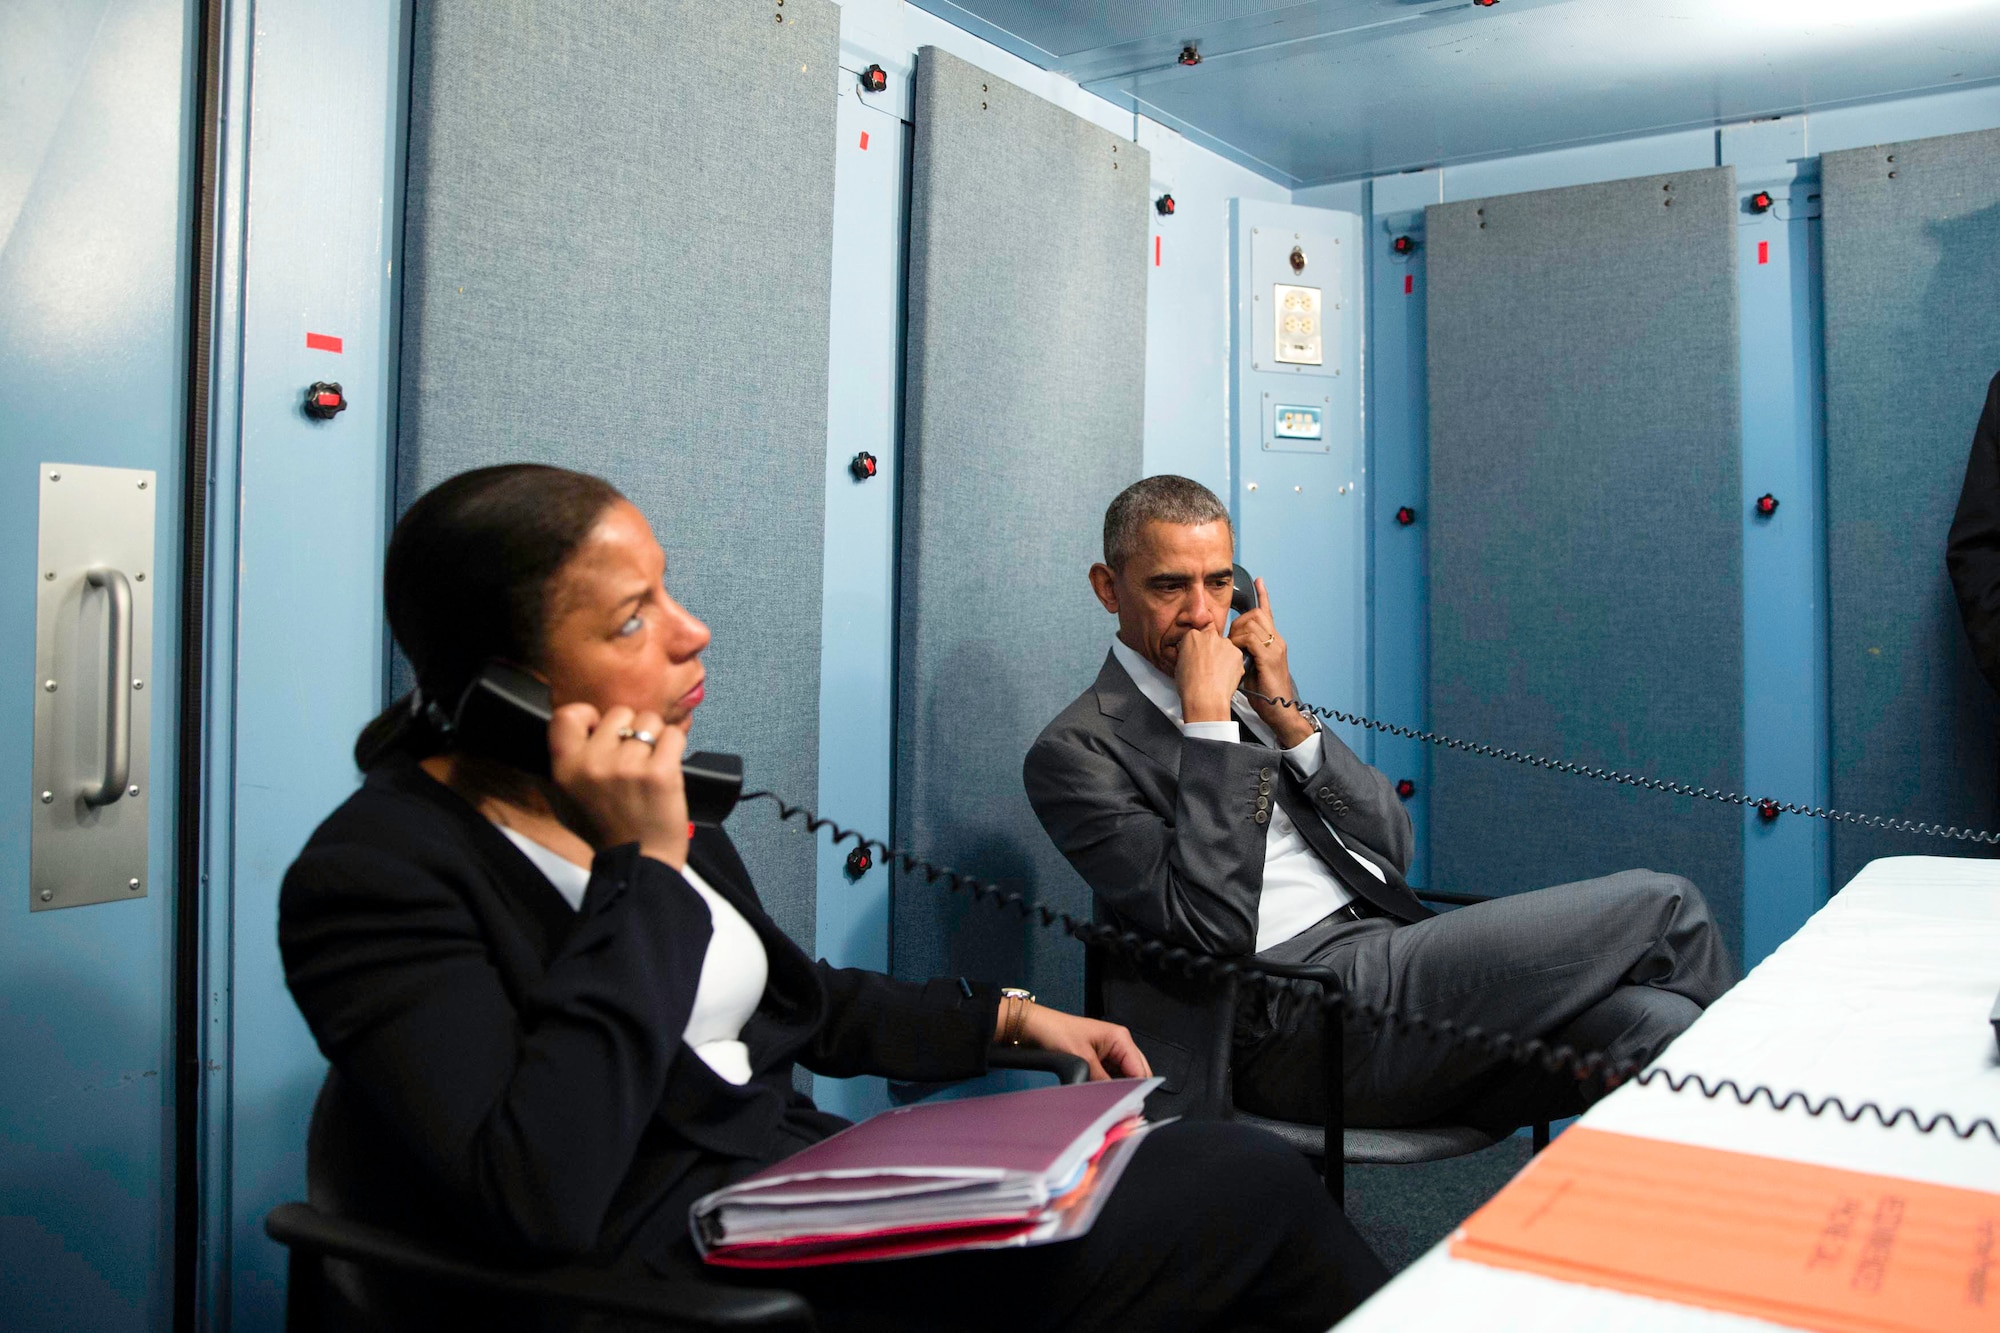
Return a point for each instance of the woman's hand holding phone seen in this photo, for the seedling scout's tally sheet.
(631, 791)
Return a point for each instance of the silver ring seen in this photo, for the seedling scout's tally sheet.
(627, 734)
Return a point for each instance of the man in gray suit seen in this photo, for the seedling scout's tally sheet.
(1202, 814)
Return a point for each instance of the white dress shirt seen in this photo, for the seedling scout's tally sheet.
(733, 972)
(1299, 888)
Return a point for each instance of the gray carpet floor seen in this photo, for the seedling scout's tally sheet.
(1401, 1211)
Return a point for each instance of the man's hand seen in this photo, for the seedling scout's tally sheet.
(1256, 633)
(1207, 671)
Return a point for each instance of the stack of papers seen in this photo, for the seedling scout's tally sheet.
(1018, 1168)
(1800, 1245)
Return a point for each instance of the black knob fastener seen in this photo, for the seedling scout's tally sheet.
(1190, 56)
(874, 79)
(859, 862)
(1767, 505)
(1767, 810)
(1404, 245)
(324, 400)
(1760, 202)
(1406, 788)
(1406, 516)
(863, 466)
(1164, 205)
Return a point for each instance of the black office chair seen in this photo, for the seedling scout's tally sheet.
(335, 1276)
(1149, 999)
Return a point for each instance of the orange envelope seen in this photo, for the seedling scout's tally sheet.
(1808, 1246)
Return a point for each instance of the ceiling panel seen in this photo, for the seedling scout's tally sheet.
(1338, 89)
(1065, 29)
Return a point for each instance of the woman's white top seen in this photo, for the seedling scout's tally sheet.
(733, 972)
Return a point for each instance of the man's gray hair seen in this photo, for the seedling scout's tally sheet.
(1161, 499)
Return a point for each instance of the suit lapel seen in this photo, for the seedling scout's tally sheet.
(536, 903)
(712, 857)
(793, 995)
(722, 872)
(1135, 719)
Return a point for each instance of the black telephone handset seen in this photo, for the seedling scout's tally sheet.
(504, 715)
(1243, 597)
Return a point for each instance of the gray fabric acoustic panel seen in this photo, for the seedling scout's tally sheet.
(1024, 415)
(1911, 236)
(1585, 531)
(617, 255)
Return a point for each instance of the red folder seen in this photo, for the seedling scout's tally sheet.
(1019, 1168)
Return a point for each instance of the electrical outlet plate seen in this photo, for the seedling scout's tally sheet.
(1298, 301)
(1299, 338)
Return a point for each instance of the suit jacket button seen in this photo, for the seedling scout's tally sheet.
(1340, 807)
(1263, 803)
(1263, 789)
(1326, 793)
(1266, 774)
(1262, 816)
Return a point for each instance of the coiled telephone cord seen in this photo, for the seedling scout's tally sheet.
(1639, 780)
(1195, 965)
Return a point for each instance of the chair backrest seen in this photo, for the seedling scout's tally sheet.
(350, 1295)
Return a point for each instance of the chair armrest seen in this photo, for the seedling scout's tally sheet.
(1067, 1068)
(1183, 1024)
(675, 1302)
(1333, 1132)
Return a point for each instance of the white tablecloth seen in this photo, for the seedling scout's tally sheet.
(1885, 994)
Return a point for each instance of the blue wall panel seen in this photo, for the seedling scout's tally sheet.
(93, 254)
(629, 275)
(1784, 556)
(1787, 870)
(1023, 423)
(296, 661)
(1912, 237)
(1301, 514)
(1399, 478)
(857, 699)
(1190, 368)
(1187, 426)
(1585, 539)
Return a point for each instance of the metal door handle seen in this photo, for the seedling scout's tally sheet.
(117, 688)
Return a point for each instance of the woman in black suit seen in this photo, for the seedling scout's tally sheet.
(555, 1018)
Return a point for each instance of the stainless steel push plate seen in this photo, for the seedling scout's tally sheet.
(91, 800)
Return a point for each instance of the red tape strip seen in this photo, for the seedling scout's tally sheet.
(1763, 252)
(864, 141)
(322, 342)
(1409, 284)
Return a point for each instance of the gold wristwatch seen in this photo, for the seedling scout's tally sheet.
(1017, 1017)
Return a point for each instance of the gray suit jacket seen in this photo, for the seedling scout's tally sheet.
(1164, 830)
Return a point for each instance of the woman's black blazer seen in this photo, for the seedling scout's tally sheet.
(509, 1073)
